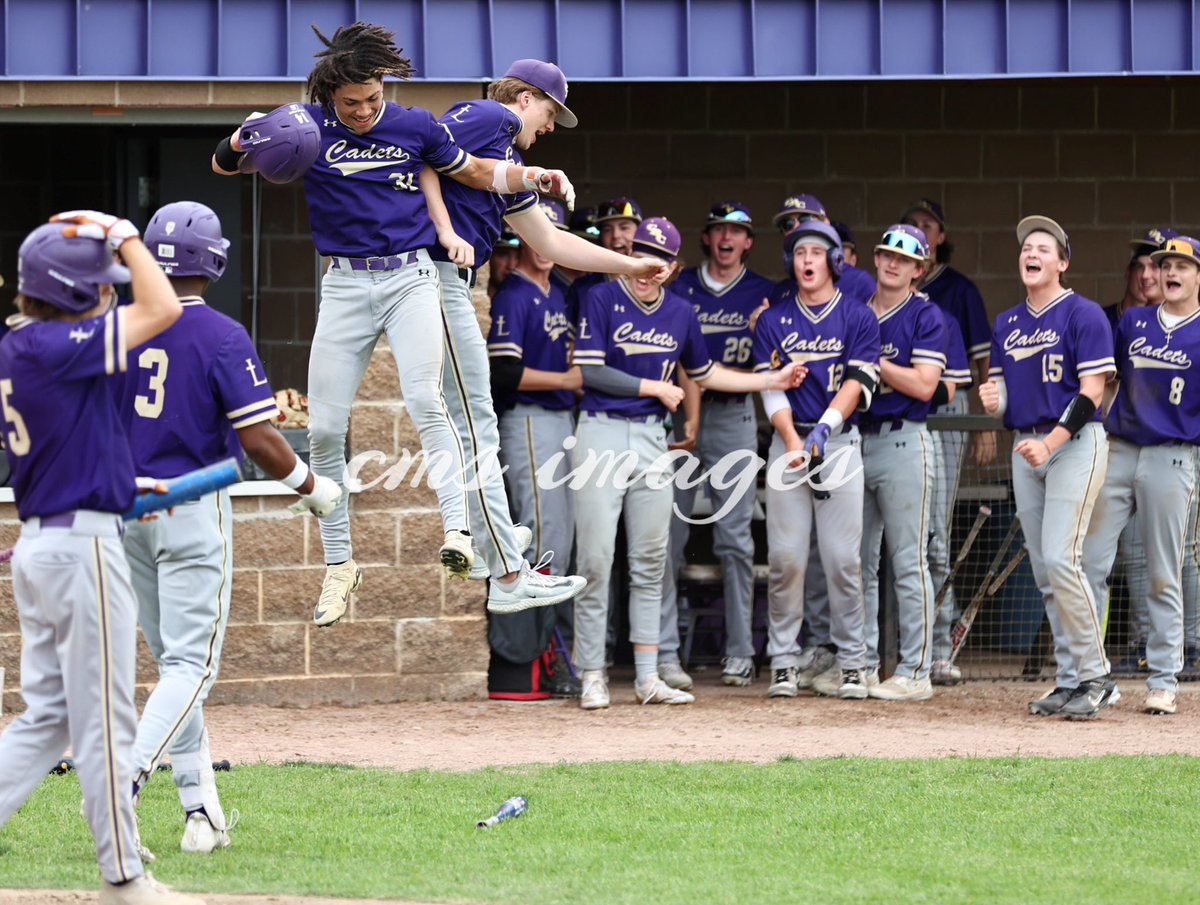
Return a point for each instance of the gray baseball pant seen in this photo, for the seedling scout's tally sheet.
(792, 517)
(356, 307)
(1159, 482)
(1054, 504)
(725, 427)
(78, 658)
(599, 503)
(951, 447)
(182, 570)
(898, 492)
(468, 383)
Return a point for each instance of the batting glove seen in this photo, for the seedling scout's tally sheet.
(550, 182)
(325, 496)
(95, 225)
(815, 444)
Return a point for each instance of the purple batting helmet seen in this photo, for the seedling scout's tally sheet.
(659, 237)
(281, 145)
(185, 238)
(826, 235)
(66, 272)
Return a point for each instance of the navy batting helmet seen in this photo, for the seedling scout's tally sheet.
(66, 272)
(828, 237)
(281, 145)
(185, 238)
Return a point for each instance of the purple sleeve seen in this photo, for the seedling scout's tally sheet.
(439, 149)
(862, 348)
(929, 338)
(765, 355)
(694, 356)
(84, 349)
(958, 368)
(977, 324)
(506, 336)
(591, 336)
(240, 382)
(1120, 346)
(996, 362)
(1092, 340)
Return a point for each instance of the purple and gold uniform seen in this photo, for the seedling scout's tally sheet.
(854, 284)
(958, 367)
(52, 377)
(724, 313)
(1155, 361)
(960, 298)
(486, 129)
(910, 334)
(615, 329)
(186, 417)
(1041, 356)
(362, 192)
(531, 325)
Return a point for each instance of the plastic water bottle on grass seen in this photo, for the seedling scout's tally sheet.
(514, 807)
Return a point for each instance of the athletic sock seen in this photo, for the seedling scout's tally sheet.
(645, 664)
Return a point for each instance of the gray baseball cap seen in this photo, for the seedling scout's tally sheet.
(548, 78)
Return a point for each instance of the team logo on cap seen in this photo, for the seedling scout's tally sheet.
(551, 213)
(656, 233)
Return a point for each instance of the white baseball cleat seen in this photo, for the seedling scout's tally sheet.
(200, 837)
(458, 554)
(533, 589)
(340, 582)
(595, 690)
(480, 571)
(655, 691)
(145, 890)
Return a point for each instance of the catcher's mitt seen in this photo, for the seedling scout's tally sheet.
(293, 409)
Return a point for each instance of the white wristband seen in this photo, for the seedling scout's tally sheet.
(833, 418)
(1002, 391)
(298, 476)
(774, 401)
(500, 177)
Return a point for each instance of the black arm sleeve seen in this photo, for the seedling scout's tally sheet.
(506, 373)
(1078, 413)
(227, 158)
(941, 394)
(611, 380)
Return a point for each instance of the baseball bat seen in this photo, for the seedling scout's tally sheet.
(183, 489)
(980, 517)
(991, 592)
(963, 625)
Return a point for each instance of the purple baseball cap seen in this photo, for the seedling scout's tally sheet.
(659, 237)
(1178, 246)
(619, 209)
(548, 78)
(1038, 223)
(66, 272)
(555, 212)
(583, 224)
(1156, 237)
(730, 212)
(905, 240)
(845, 232)
(801, 207)
(926, 206)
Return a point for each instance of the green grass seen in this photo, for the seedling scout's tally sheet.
(846, 830)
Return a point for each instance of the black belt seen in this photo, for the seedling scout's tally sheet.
(877, 427)
(377, 264)
(724, 398)
(467, 275)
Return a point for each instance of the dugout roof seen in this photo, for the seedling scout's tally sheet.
(608, 40)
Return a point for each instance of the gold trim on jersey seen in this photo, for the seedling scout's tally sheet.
(1183, 323)
(827, 307)
(702, 276)
(651, 309)
(374, 122)
(1053, 303)
(887, 314)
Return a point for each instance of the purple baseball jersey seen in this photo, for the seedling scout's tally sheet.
(64, 440)
(724, 313)
(1155, 404)
(531, 325)
(188, 392)
(910, 334)
(828, 339)
(579, 290)
(958, 368)
(484, 129)
(362, 192)
(854, 284)
(1041, 356)
(647, 341)
(958, 296)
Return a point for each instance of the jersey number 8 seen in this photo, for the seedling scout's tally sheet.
(1176, 394)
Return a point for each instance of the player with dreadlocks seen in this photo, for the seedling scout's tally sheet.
(360, 157)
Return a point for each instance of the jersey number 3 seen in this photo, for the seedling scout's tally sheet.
(151, 405)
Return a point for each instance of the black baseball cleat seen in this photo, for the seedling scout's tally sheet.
(1090, 698)
(1051, 703)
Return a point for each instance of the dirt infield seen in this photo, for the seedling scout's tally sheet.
(980, 719)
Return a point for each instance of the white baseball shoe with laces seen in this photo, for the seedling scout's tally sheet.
(480, 571)
(340, 582)
(533, 589)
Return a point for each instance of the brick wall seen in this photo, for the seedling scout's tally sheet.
(411, 633)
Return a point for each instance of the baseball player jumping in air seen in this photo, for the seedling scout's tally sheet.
(1154, 426)
(1051, 356)
(724, 293)
(898, 456)
(361, 159)
(632, 335)
(528, 102)
(836, 340)
(72, 475)
(195, 395)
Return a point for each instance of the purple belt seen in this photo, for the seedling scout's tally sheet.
(61, 520)
(377, 265)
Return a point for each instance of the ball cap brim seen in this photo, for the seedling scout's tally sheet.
(548, 78)
(1046, 225)
(1179, 247)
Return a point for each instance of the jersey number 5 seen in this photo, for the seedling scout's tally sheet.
(155, 361)
(18, 437)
